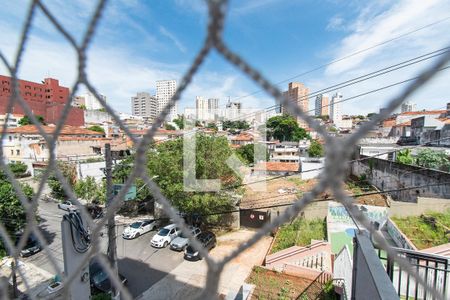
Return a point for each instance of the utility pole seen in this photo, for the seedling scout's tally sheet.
(112, 250)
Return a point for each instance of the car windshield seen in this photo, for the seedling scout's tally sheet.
(190, 250)
(163, 232)
(136, 225)
(100, 277)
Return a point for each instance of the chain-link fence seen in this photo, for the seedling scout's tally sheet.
(332, 178)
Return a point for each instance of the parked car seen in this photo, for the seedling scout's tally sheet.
(165, 236)
(94, 210)
(99, 279)
(53, 290)
(67, 205)
(207, 239)
(138, 228)
(31, 247)
(181, 242)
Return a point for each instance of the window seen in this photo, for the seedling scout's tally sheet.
(12, 152)
(17, 152)
(10, 138)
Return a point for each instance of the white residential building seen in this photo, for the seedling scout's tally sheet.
(90, 102)
(233, 110)
(206, 109)
(144, 105)
(165, 89)
(11, 120)
(408, 106)
(336, 109)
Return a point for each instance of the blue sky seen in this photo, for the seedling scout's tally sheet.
(139, 42)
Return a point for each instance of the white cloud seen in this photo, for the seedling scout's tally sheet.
(173, 38)
(335, 23)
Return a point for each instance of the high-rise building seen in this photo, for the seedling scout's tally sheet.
(165, 89)
(408, 106)
(322, 105)
(233, 110)
(298, 93)
(89, 101)
(336, 109)
(144, 105)
(206, 109)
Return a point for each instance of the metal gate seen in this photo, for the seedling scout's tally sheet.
(254, 218)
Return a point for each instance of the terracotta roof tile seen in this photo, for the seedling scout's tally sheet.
(272, 166)
(66, 130)
(427, 112)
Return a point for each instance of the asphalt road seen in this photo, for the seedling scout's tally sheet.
(140, 263)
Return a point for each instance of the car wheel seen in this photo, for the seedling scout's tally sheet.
(165, 244)
(137, 235)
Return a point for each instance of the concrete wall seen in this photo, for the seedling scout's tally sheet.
(93, 169)
(309, 164)
(343, 269)
(397, 235)
(423, 205)
(96, 116)
(389, 175)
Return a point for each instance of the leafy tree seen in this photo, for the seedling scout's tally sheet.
(102, 109)
(211, 154)
(169, 127)
(18, 168)
(69, 172)
(315, 149)
(12, 213)
(212, 126)
(324, 117)
(247, 153)
(97, 128)
(285, 128)
(27, 121)
(88, 189)
(83, 106)
(241, 124)
(434, 159)
(405, 157)
(179, 121)
(198, 123)
(370, 115)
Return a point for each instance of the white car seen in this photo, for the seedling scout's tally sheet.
(67, 205)
(138, 228)
(165, 236)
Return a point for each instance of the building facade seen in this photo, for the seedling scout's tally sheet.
(322, 107)
(89, 101)
(45, 99)
(144, 105)
(206, 109)
(335, 109)
(298, 93)
(233, 110)
(408, 106)
(165, 89)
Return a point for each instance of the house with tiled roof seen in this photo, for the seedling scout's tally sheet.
(276, 168)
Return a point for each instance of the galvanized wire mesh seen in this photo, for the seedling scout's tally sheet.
(332, 178)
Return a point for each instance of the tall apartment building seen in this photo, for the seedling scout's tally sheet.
(322, 105)
(206, 109)
(298, 93)
(144, 105)
(89, 101)
(408, 106)
(336, 109)
(46, 99)
(233, 110)
(165, 89)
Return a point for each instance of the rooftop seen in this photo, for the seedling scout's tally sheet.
(277, 166)
(66, 130)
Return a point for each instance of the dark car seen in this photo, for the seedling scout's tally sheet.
(207, 239)
(99, 278)
(31, 247)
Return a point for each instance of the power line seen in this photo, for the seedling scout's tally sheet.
(360, 79)
(349, 56)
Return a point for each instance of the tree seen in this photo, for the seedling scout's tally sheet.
(370, 115)
(212, 126)
(69, 172)
(405, 157)
(179, 121)
(315, 149)
(88, 189)
(233, 125)
(166, 161)
(18, 168)
(247, 153)
(285, 128)
(97, 128)
(169, 127)
(324, 117)
(12, 213)
(27, 121)
(434, 159)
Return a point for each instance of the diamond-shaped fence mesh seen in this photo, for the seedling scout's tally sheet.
(332, 177)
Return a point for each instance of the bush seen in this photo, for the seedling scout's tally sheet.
(19, 168)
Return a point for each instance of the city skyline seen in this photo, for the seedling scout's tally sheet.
(162, 50)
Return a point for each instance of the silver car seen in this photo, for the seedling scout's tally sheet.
(180, 243)
(67, 205)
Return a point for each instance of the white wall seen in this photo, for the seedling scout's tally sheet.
(343, 268)
(311, 168)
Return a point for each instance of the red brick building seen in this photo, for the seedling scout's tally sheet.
(45, 99)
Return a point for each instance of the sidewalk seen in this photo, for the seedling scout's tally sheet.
(188, 279)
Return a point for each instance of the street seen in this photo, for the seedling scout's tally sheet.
(140, 263)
